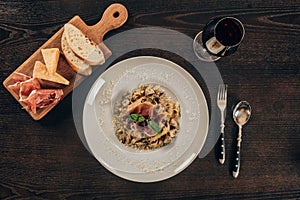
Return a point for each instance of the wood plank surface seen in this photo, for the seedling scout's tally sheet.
(46, 159)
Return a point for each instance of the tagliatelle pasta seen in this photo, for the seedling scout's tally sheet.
(146, 118)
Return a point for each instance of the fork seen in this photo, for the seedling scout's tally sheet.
(221, 102)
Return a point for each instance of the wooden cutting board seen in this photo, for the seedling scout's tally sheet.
(113, 17)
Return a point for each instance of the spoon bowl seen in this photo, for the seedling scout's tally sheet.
(241, 115)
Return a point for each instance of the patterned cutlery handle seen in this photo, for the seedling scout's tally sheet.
(222, 148)
(236, 167)
(237, 161)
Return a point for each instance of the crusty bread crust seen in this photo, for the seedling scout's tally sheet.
(82, 46)
(74, 61)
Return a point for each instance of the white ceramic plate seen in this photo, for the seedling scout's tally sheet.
(150, 165)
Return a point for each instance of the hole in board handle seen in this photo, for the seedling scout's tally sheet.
(116, 14)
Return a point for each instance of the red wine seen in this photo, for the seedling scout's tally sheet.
(222, 36)
(228, 32)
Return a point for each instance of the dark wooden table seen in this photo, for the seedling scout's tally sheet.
(46, 160)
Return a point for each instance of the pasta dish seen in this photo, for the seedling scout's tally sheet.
(146, 118)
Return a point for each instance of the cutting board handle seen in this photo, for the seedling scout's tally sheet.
(113, 17)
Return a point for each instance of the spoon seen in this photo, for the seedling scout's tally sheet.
(241, 115)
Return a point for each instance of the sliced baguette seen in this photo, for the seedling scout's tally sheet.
(40, 71)
(51, 57)
(74, 61)
(82, 46)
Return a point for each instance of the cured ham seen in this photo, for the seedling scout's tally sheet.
(19, 77)
(31, 93)
(27, 87)
(41, 98)
(15, 87)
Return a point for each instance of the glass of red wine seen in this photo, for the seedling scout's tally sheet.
(220, 37)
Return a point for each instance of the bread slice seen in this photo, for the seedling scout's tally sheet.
(51, 57)
(40, 71)
(74, 61)
(82, 46)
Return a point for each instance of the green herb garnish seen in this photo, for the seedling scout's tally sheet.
(137, 118)
(151, 124)
(154, 126)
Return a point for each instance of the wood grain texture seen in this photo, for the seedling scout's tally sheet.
(46, 159)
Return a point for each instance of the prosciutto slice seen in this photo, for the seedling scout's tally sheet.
(27, 87)
(19, 77)
(41, 98)
(31, 93)
(15, 87)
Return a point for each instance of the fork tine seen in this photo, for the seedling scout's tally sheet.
(225, 92)
(222, 92)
